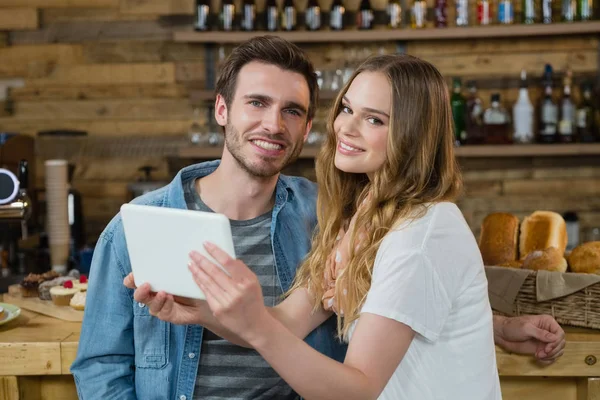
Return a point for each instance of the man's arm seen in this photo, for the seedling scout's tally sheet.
(104, 364)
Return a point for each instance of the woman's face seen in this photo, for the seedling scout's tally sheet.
(361, 127)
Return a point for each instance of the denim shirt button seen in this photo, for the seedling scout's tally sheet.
(141, 305)
(191, 355)
(182, 397)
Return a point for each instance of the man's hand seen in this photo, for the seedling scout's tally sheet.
(537, 335)
(169, 308)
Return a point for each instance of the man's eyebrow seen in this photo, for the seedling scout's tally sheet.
(368, 109)
(268, 99)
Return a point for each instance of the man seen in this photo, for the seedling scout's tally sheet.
(266, 99)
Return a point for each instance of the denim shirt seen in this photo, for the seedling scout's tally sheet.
(125, 353)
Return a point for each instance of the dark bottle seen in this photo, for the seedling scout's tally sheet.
(566, 125)
(474, 116)
(248, 22)
(441, 14)
(458, 104)
(288, 16)
(201, 19)
(313, 15)
(271, 16)
(585, 10)
(227, 15)
(587, 116)
(336, 15)
(75, 214)
(569, 10)
(394, 14)
(496, 123)
(548, 111)
(364, 17)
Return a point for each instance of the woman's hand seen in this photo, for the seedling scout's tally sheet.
(169, 308)
(234, 294)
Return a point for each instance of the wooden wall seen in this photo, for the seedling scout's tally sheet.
(109, 67)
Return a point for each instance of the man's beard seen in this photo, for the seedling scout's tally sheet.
(267, 169)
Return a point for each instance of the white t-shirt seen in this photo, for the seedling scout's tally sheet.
(429, 275)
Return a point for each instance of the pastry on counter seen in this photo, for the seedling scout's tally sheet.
(78, 301)
(81, 284)
(29, 285)
(62, 295)
(585, 258)
(498, 240)
(44, 288)
(541, 230)
(550, 259)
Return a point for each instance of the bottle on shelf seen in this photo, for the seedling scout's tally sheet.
(248, 22)
(505, 12)
(227, 16)
(585, 10)
(313, 15)
(418, 18)
(364, 16)
(288, 16)
(271, 16)
(462, 12)
(496, 123)
(484, 13)
(566, 125)
(394, 14)
(569, 10)
(547, 13)
(587, 116)
(202, 15)
(529, 12)
(474, 116)
(441, 13)
(523, 114)
(548, 111)
(458, 105)
(336, 15)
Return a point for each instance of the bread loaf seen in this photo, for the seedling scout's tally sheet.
(585, 258)
(550, 259)
(541, 230)
(498, 240)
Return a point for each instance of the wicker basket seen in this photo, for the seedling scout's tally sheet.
(581, 308)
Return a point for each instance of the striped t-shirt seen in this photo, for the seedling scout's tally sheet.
(227, 371)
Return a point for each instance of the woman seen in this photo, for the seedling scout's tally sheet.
(393, 258)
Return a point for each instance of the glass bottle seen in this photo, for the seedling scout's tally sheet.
(441, 13)
(394, 14)
(529, 13)
(248, 15)
(585, 9)
(547, 13)
(505, 12)
(569, 10)
(548, 111)
(288, 16)
(313, 15)
(271, 16)
(227, 15)
(458, 104)
(202, 14)
(523, 114)
(566, 124)
(587, 116)
(419, 14)
(474, 116)
(364, 16)
(484, 14)
(462, 12)
(496, 123)
(336, 15)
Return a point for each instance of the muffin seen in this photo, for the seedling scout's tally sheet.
(78, 301)
(62, 295)
(44, 288)
(81, 284)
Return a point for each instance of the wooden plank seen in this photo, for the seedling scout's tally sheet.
(52, 16)
(518, 388)
(108, 74)
(588, 389)
(553, 187)
(45, 307)
(126, 51)
(160, 7)
(528, 150)
(528, 203)
(68, 352)
(18, 18)
(9, 388)
(105, 109)
(30, 93)
(158, 127)
(483, 188)
(77, 32)
(3, 39)
(38, 358)
(58, 388)
(190, 72)
(59, 3)
(37, 61)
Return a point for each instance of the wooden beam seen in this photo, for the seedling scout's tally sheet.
(161, 7)
(50, 16)
(36, 61)
(18, 19)
(32, 93)
(108, 74)
(9, 388)
(100, 127)
(59, 3)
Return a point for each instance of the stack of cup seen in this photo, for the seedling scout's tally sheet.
(57, 213)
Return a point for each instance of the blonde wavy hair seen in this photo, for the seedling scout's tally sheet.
(420, 168)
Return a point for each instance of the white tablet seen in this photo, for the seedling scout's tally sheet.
(160, 239)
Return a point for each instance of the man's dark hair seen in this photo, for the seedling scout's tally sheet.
(270, 50)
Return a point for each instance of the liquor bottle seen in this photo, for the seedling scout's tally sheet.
(458, 104)
(248, 15)
(336, 15)
(569, 10)
(271, 16)
(201, 18)
(505, 12)
(566, 124)
(441, 13)
(394, 14)
(313, 15)
(419, 14)
(462, 12)
(288, 16)
(364, 16)
(548, 111)
(523, 114)
(496, 123)
(585, 10)
(474, 116)
(529, 14)
(227, 15)
(484, 14)
(587, 116)
(547, 17)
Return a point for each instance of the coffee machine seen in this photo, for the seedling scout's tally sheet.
(17, 172)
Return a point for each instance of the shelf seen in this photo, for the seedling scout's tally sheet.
(492, 151)
(326, 36)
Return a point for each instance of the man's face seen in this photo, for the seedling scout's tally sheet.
(267, 122)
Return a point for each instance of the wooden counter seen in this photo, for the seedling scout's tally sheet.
(36, 352)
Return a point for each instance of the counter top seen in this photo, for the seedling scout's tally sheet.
(34, 344)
